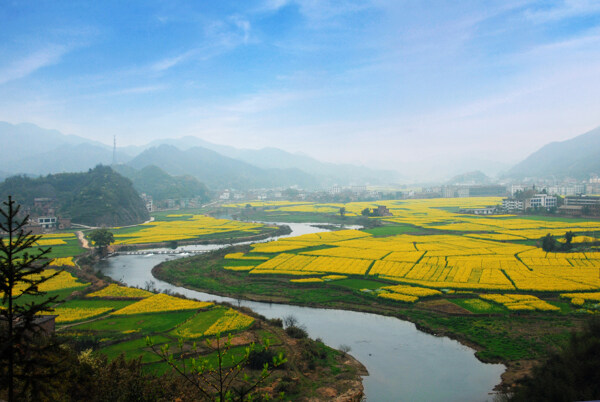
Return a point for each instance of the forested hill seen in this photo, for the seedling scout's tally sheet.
(154, 181)
(99, 197)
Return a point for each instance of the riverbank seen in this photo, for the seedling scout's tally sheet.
(313, 371)
(516, 340)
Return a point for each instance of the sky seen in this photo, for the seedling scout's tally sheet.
(377, 82)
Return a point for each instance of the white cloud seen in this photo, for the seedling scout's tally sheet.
(170, 62)
(31, 63)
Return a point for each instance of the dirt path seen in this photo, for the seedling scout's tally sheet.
(84, 242)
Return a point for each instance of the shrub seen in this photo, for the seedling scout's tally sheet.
(296, 332)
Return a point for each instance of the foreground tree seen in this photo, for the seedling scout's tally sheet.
(21, 274)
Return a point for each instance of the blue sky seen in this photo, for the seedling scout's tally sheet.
(371, 81)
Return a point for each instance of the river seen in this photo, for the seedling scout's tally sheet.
(404, 363)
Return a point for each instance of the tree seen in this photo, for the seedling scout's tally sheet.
(101, 238)
(365, 212)
(549, 243)
(343, 212)
(227, 380)
(21, 274)
(569, 237)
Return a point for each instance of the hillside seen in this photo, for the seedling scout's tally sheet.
(155, 182)
(578, 158)
(218, 171)
(99, 197)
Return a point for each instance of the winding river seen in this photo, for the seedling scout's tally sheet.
(404, 363)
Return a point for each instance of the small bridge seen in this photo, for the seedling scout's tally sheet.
(161, 252)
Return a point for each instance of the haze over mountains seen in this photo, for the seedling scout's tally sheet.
(577, 157)
(32, 150)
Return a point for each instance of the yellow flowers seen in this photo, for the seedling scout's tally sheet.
(63, 280)
(231, 321)
(67, 314)
(334, 277)
(307, 280)
(398, 297)
(413, 290)
(159, 303)
(196, 226)
(520, 302)
(577, 301)
(62, 262)
(594, 296)
(240, 268)
(115, 291)
(241, 256)
(486, 253)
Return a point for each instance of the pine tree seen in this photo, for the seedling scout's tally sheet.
(21, 274)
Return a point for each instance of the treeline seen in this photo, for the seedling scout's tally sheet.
(99, 197)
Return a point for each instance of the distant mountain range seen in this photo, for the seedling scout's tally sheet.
(36, 151)
(29, 149)
(578, 158)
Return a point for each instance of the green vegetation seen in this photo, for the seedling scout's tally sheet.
(99, 197)
(391, 230)
(138, 323)
(479, 306)
(72, 248)
(572, 374)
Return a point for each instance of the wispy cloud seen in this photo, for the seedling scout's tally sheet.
(170, 62)
(565, 9)
(31, 63)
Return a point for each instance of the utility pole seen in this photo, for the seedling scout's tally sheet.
(114, 161)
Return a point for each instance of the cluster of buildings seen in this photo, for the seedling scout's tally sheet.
(170, 203)
(43, 217)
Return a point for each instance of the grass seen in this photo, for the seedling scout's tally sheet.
(391, 230)
(71, 249)
(479, 306)
(141, 323)
(135, 348)
(358, 284)
(94, 303)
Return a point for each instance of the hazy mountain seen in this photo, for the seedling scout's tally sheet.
(33, 150)
(66, 158)
(97, 197)
(155, 182)
(578, 158)
(475, 177)
(275, 158)
(218, 171)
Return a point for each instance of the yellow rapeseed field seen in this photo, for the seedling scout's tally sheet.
(196, 226)
(232, 320)
(68, 314)
(474, 252)
(160, 303)
(122, 292)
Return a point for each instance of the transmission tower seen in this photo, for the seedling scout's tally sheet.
(114, 162)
